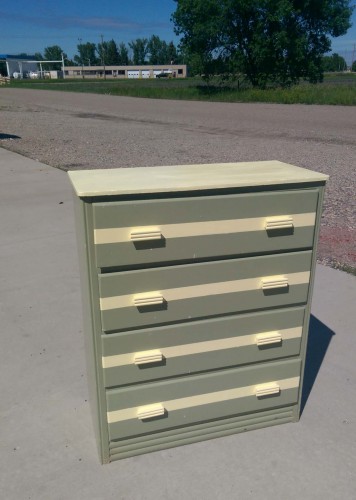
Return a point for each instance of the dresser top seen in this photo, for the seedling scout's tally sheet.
(140, 180)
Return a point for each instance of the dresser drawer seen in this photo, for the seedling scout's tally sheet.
(162, 352)
(181, 293)
(190, 400)
(129, 233)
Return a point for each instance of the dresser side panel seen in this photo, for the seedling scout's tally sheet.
(305, 335)
(90, 341)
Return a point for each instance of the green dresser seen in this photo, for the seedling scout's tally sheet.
(196, 284)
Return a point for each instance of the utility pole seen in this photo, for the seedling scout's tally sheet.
(81, 56)
(103, 55)
(64, 75)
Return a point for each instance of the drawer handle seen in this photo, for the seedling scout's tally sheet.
(274, 283)
(150, 411)
(281, 222)
(145, 357)
(265, 390)
(146, 234)
(148, 300)
(268, 338)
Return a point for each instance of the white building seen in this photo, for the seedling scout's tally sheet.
(146, 71)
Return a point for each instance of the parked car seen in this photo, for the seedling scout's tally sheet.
(164, 74)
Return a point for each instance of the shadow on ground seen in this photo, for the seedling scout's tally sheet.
(318, 342)
(9, 136)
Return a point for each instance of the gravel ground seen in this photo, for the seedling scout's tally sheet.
(84, 131)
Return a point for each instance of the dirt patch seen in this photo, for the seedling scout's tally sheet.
(337, 247)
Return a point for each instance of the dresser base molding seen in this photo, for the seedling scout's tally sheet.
(201, 432)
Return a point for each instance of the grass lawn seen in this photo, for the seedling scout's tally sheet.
(337, 89)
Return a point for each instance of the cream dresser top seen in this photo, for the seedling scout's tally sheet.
(125, 181)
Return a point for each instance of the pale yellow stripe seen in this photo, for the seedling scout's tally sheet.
(183, 230)
(199, 347)
(201, 399)
(194, 291)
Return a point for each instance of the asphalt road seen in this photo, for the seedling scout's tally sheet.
(80, 131)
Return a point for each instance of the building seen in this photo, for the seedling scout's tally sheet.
(29, 67)
(17, 66)
(146, 71)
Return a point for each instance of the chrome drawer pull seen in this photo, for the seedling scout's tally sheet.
(146, 234)
(150, 411)
(268, 338)
(145, 357)
(280, 222)
(148, 300)
(272, 283)
(267, 390)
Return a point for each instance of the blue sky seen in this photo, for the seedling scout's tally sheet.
(31, 25)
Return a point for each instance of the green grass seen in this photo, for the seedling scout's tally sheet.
(337, 89)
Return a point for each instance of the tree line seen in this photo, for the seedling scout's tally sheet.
(140, 51)
(265, 43)
(269, 43)
(111, 54)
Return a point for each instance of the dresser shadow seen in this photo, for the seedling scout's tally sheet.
(272, 233)
(153, 307)
(147, 245)
(270, 346)
(156, 364)
(276, 291)
(268, 396)
(318, 343)
(158, 417)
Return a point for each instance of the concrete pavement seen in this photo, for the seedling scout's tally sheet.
(47, 448)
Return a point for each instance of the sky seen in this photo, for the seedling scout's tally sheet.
(31, 25)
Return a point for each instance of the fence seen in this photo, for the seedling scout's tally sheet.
(4, 80)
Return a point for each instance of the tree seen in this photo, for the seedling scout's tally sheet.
(139, 50)
(123, 55)
(334, 63)
(157, 50)
(353, 66)
(52, 53)
(172, 53)
(275, 42)
(108, 53)
(24, 55)
(87, 55)
(160, 52)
